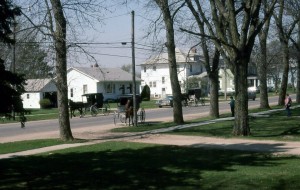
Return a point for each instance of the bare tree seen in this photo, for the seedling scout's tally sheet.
(284, 32)
(211, 61)
(168, 17)
(294, 9)
(59, 37)
(127, 67)
(262, 67)
(233, 27)
(51, 18)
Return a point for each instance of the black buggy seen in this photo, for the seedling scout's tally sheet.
(91, 103)
(193, 97)
(119, 114)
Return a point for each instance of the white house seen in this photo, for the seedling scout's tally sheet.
(226, 79)
(111, 82)
(38, 89)
(155, 72)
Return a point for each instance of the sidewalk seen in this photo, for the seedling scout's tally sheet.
(155, 137)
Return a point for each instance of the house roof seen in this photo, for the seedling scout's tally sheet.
(162, 58)
(201, 75)
(105, 74)
(36, 85)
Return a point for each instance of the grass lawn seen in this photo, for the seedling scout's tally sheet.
(31, 144)
(276, 127)
(123, 165)
(120, 165)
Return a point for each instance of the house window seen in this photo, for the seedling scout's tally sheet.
(154, 84)
(110, 88)
(85, 89)
(150, 84)
(191, 68)
(28, 96)
(71, 92)
(163, 80)
(145, 69)
(154, 68)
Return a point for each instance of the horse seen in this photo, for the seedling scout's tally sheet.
(76, 106)
(185, 98)
(129, 112)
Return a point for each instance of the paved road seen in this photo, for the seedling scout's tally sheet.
(100, 124)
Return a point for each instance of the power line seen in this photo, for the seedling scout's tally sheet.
(107, 54)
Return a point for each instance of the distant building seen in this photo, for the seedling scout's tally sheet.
(38, 89)
(155, 72)
(111, 82)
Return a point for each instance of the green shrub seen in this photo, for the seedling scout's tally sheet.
(145, 95)
(45, 103)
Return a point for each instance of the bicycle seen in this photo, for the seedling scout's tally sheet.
(105, 109)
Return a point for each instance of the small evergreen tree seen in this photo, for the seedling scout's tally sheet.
(145, 95)
(11, 84)
(11, 88)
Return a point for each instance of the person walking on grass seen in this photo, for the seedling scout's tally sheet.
(288, 104)
(231, 103)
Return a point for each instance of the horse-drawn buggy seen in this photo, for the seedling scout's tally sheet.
(193, 97)
(91, 103)
(125, 110)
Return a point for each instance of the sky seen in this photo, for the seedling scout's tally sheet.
(103, 42)
(117, 28)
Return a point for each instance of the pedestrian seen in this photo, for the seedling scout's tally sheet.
(231, 103)
(288, 104)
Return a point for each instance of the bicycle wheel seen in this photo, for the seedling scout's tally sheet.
(83, 111)
(122, 117)
(142, 115)
(94, 111)
(116, 115)
(203, 101)
(196, 102)
(106, 109)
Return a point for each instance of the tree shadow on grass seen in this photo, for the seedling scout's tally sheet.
(116, 165)
(292, 131)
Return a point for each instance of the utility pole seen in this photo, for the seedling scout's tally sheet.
(133, 70)
(14, 47)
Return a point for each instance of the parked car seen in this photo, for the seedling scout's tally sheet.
(254, 88)
(271, 89)
(229, 92)
(167, 101)
(251, 94)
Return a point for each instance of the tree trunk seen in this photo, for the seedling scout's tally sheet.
(214, 95)
(298, 66)
(262, 74)
(241, 122)
(298, 79)
(284, 81)
(262, 68)
(213, 74)
(61, 70)
(177, 107)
